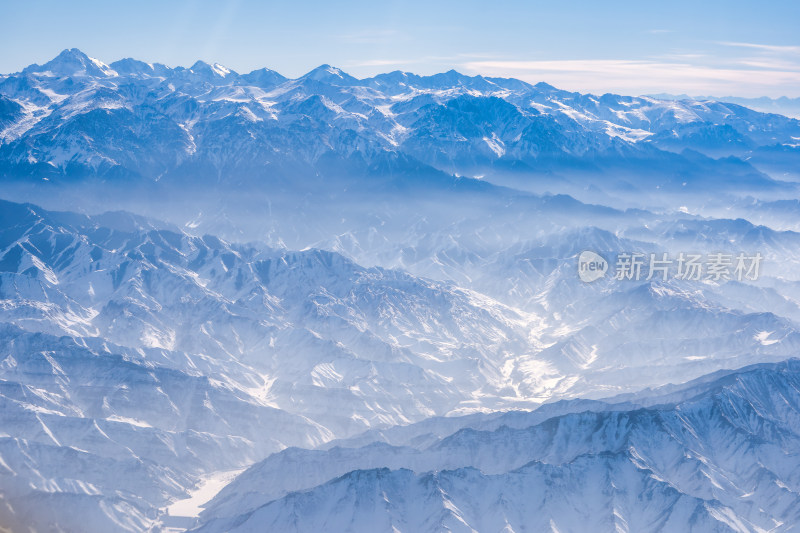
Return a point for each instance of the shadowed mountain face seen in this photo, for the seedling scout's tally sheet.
(367, 292)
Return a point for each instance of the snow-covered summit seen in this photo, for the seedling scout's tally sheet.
(72, 62)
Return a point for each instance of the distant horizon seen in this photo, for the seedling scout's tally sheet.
(623, 47)
(653, 94)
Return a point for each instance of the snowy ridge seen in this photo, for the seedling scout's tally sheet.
(77, 114)
(636, 469)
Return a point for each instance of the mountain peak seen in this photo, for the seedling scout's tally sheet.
(396, 80)
(454, 75)
(328, 74)
(542, 86)
(215, 70)
(73, 62)
(264, 78)
(69, 54)
(134, 66)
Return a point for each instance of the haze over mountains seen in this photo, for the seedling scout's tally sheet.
(380, 275)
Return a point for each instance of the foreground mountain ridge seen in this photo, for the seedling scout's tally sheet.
(721, 458)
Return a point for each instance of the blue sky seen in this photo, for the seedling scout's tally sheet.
(740, 48)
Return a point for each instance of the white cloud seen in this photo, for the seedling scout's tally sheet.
(647, 76)
(795, 50)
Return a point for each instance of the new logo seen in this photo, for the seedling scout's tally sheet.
(591, 266)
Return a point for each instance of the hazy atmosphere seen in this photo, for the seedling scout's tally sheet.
(379, 267)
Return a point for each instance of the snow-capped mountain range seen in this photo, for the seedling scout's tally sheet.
(362, 294)
(78, 116)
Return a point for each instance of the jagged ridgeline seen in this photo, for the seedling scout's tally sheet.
(77, 118)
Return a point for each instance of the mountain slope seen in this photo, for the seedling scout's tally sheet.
(723, 458)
